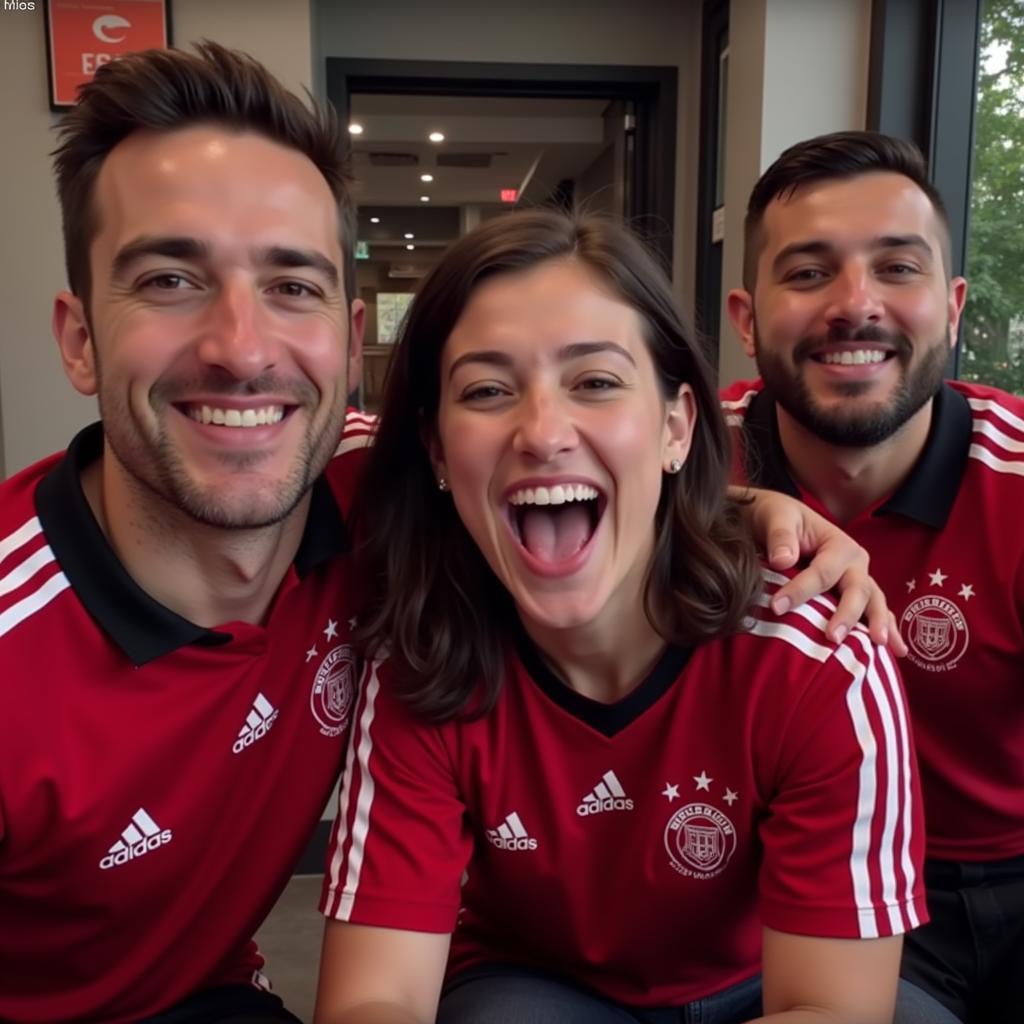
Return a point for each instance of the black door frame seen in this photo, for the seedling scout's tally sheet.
(653, 90)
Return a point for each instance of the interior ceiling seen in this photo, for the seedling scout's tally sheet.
(491, 144)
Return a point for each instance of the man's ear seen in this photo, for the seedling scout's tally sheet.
(74, 339)
(739, 304)
(955, 304)
(679, 424)
(356, 330)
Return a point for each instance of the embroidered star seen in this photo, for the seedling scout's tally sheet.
(703, 781)
(672, 792)
(938, 577)
(332, 629)
(311, 654)
(911, 586)
(730, 797)
(967, 591)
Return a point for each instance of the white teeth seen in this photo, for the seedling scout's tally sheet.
(854, 357)
(237, 417)
(557, 495)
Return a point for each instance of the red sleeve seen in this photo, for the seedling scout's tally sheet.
(844, 838)
(400, 844)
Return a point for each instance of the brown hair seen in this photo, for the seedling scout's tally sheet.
(835, 156)
(431, 599)
(165, 90)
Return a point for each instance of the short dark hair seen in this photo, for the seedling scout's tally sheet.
(431, 600)
(165, 90)
(834, 156)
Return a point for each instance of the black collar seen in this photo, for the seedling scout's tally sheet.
(607, 719)
(928, 493)
(142, 627)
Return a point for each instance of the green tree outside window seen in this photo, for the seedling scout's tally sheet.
(992, 335)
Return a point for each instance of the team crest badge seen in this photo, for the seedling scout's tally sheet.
(700, 840)
(936, 632)
(334, 690)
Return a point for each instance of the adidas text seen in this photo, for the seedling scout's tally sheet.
(137, 850)
(522, 843)
(252, 735)
(609, 803)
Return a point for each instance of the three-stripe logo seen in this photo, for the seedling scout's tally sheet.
(142, 836)
(511, 834)
(261, 717)
(607, 795)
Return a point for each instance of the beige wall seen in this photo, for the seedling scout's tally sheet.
(39, 410)
(797, 68)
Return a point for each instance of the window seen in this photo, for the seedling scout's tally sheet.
(949, 74)
(992, 334)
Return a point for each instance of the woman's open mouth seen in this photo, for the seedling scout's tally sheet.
(555, 523)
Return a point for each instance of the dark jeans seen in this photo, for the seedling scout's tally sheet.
(229, 1004)
(969, 959)
(515, 995)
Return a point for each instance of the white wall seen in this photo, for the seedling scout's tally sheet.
(39, 410)
(643, 32)
(797, 68)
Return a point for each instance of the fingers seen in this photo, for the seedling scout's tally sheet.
(897, 645)
(855, 594)
(782, 547)
(860, 599)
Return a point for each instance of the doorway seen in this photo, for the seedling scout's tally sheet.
(439, 147)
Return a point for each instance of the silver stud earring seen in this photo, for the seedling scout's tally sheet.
(442, 484)
(675, 465)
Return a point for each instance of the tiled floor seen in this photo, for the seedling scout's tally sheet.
(290, 941)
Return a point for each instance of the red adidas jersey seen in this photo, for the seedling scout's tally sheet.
(158, 780)
(948, 550)
(638, 847)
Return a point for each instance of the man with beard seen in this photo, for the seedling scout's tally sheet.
(175, 596)
(850, 309)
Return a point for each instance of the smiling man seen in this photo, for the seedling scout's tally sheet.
(174, 623)
(851, 310)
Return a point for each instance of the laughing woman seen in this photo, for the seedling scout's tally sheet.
(596, 779)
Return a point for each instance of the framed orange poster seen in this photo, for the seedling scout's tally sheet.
(82, 35)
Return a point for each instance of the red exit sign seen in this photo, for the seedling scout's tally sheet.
(509, 195)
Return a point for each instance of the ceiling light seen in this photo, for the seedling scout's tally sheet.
(375, 220)
(426, 177)
(436, 137)
(355, 129)
(410, 247)
(409, 234)
(424, 199)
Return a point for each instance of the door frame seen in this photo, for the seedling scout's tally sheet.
(653, 91)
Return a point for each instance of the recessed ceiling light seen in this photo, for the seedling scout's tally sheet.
(410, 247)
(424, 199)
(409, 234)
(355, 129)
(375, 220)
(426, 177)
(436, 137)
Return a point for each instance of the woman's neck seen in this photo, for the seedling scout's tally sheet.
(601, 660)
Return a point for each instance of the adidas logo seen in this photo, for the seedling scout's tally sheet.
(510, 835)
(257, 723)
(142, 836)
(607, 795)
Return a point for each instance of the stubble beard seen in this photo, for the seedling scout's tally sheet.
(156, 466)
(854, 427)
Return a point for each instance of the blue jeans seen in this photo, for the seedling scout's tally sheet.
(518, 995)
